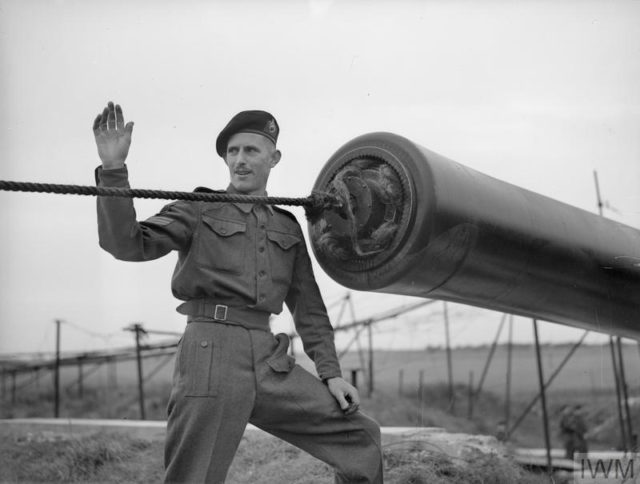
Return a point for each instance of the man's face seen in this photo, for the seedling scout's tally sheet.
(250, 158)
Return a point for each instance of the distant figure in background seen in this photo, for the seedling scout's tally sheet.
(501, 431)
(572, 430)
(238, 263)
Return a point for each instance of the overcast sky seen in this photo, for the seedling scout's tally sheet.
(539, 94)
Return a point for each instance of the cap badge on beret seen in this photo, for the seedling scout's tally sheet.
(271, 126)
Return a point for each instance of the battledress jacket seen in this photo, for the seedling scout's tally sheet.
(240, 255)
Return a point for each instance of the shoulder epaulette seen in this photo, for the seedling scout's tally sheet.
(285, 212)
(208, 190)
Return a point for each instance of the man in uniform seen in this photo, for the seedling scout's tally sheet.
(572, 431)
(237, 264)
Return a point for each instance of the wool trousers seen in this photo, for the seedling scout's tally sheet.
(226, 376)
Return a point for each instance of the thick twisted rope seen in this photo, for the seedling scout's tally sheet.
(313, 204)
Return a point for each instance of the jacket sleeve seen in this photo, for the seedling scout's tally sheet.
(310, 316)
(125, 238)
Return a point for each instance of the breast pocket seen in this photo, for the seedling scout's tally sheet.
(223, 244)
(282, 253)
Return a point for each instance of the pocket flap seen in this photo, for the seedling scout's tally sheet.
(285, 241)
(225, 228)
(280, 361)
(282, 364)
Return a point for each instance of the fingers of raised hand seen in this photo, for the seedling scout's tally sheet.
(119, 118)
(96, 123)
(100, 123)
(103, 119)
(111, 119)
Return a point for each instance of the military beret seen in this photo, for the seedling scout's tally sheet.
(259, 122)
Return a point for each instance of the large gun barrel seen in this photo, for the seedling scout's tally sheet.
(413, 222)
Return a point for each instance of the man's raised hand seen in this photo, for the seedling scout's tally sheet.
(113, 137)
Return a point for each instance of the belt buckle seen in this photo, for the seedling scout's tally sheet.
(220, 308)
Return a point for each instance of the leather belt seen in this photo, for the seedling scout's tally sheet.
(210, 311)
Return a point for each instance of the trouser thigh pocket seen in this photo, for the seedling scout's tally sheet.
(200, 364)
(280, 361)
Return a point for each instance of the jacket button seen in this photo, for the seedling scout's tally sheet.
(204, 344)
(260, 249)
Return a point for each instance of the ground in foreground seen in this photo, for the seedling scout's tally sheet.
(113, 458)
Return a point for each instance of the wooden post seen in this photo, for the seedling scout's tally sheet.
(56, 374)
(492, 351)
(421, 385)
(616, 374)
(452, 397)
(545, 418)
(113, 372)
(507, 398)
(625, 394)
(470, 396)
(138, 330)
(400, 379)
(111, 386)
(354, 377)
(4, 384)
(37, 380)
(13, 387)
(80, 386)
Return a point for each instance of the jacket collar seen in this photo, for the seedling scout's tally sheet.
(246, 207)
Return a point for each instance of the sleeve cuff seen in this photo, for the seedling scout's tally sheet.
(112, 178)
(327, 375)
